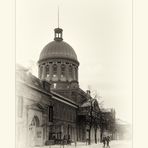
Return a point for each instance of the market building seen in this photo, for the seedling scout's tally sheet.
(53, 109)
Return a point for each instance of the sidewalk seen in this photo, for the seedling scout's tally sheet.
(78, 145)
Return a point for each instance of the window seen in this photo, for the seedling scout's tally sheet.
(50, 113)
(62, 70)
(54, 85)
(57, 35)
(64, 116)
(35, 121)
(54, 70)
(70, 71)
(47, 70)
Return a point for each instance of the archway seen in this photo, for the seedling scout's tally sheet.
(35, 132)
(35, 121)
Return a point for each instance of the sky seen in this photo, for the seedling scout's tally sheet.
(100, 32)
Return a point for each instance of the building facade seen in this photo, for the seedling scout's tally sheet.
(52, 109)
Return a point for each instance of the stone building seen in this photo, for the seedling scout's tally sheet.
(52, 109)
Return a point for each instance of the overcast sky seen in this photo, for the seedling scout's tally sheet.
(100, 31)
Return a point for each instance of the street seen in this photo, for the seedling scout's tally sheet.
(113, 144)
(121, 144)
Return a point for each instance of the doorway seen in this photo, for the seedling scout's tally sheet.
(35, 132)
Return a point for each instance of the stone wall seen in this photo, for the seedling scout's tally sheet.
(32, 117)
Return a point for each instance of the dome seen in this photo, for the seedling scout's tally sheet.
(58, 49)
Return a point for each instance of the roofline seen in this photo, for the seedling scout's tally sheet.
(54, 58)
(51, 94)
(64, 98)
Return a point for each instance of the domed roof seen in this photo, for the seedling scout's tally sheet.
(58, 49)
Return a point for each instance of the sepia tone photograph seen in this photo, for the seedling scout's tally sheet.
(73, 73)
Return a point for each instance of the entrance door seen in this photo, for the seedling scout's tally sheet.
(39, 136)
(35, 132)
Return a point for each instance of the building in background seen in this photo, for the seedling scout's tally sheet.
(53, 109)
(123, 130)
(107, 123)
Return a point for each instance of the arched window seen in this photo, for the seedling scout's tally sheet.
(62, 70)
(56, 34)
(70, 72)
(35, 121)
(54, 85)
(47, 71)
(54, 70)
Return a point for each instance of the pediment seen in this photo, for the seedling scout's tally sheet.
(38, 106)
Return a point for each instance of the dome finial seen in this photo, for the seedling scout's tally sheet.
(58, 16)
(58, 31)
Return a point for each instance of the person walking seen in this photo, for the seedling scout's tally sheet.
(104, 141)
(108, 140)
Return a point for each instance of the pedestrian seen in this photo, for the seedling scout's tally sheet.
(104, 141)
(107, 141)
